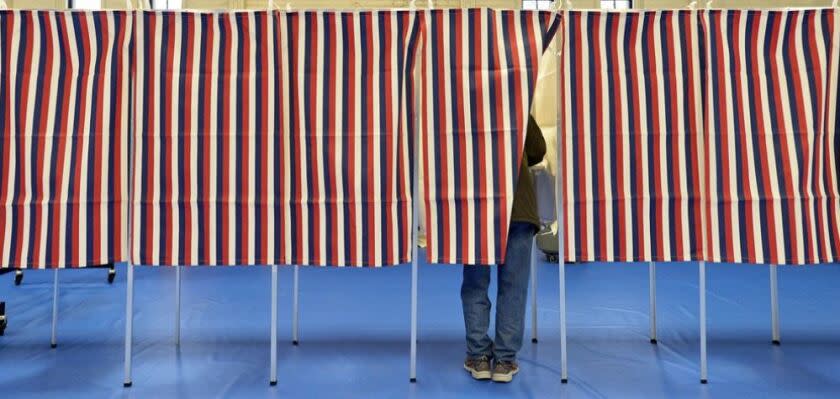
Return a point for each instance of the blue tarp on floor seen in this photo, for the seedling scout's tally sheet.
(355, 335)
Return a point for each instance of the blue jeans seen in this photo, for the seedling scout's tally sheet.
(512, 295)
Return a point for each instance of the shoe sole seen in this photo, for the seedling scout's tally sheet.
(478, 375)
(505, 378)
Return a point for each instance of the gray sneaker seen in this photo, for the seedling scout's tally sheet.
(479, 367)
(504, 371)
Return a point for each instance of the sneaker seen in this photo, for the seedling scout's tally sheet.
(479, 367)
(504, 371)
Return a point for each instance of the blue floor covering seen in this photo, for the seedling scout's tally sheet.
(354, 327)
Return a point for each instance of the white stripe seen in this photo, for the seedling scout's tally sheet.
(524, 110)
(378, 131)
(645, 217)
(303, 161)
(270, 137)
(26, 203)
(397, 112)
(682, 138)
(713, 163)
(213, 157)
(52, 103)
(174, 168)
(232, 198)
(585, 137)
(318, 138)
(252, 237)
(87, 135)
(156, 205)
(123, 196)
(104, 251)
(340, 129)
(447, 155)
(357, 186)
(428, 168)
(752, 194)
(469, 241)
(664, 219)
(489, 150)
(730, 175)
(287, 238)
(138, 139)
(775, 193)
(68, 148)
(567, 148)
(625, 100)
(193, 137)
(608, 216)
(807, 194)
(787, 102)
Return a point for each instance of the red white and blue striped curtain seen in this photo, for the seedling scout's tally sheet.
(273, 138)
(478, 73)
(773, 147)
(632, 96)
(64, 91)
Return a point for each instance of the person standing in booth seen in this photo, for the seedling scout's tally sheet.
(486, 358)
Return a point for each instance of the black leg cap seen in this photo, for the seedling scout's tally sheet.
(534, 340)
(272, 383)
(653, 341)
(704, 381)
(412, 380)
(295, 343)
(564, 380)
(777, 342)
(53, 345)
(126, 385)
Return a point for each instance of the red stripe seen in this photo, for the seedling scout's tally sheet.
(246, 132)
(637, 150)
(620, 247)
(787, 186)
(443, 205)
(314, 255)
(19, 208)
(671, 20)
(598, 151)
(799, 125)
(388, 193)
(431, 234)
(350, 63)
(41, 194)
(266, 136)
(167, 256)
(654, 176)
(331, 136)
(740, 113)
(7, 124)
(481, 207)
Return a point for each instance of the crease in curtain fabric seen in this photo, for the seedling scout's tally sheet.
(64, 87)
(273, 138)
(478, 73)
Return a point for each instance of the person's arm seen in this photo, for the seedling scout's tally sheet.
(534, 143)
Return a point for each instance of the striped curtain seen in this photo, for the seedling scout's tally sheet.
(478, 73)
(632, 95)
(273, 138)
(773, 146)
(64, 87)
